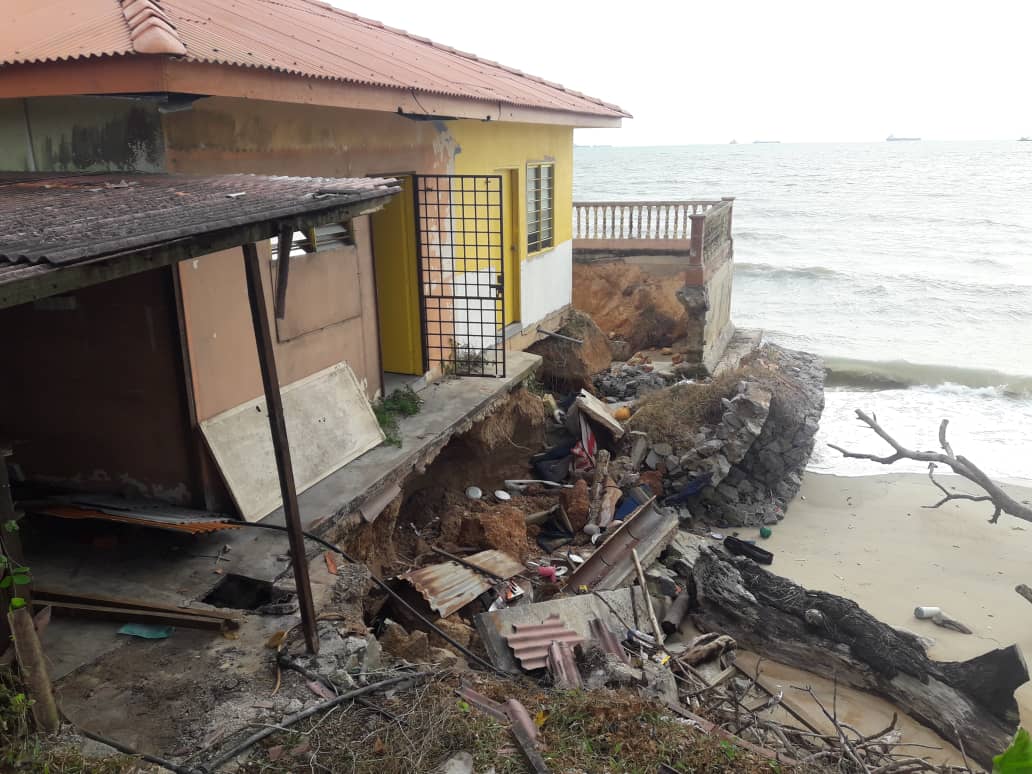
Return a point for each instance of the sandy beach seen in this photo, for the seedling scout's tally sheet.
(870, 539)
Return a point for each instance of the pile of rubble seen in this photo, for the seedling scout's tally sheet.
(616, 563)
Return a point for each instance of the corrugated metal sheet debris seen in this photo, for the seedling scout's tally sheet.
(611, 565)
(192, 526)
(606, 640)
(450, 586)
(62, 219)
(301, 37)
(529, 642)
(563, 667)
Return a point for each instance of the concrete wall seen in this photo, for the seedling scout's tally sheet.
(718, 329)
(235, 135)
(318, 333)
(93, 393)
(80, 134)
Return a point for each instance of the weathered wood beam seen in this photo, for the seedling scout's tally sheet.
(833, 636)
(280, 443)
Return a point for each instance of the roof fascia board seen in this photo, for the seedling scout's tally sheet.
(125, 75)
(107, 75)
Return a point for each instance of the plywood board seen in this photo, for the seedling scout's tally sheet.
(329, 423)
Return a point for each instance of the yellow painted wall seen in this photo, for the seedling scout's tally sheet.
(485, 147)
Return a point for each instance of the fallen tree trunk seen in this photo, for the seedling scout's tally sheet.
(833, 636)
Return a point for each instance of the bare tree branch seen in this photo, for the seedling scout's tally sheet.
(962, 466)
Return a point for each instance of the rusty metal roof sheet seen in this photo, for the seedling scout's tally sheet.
(529, 642)
(301, 37)
(450, 586)
(56, 220)
(649, 530)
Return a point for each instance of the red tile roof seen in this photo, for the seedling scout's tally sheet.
(301, 37)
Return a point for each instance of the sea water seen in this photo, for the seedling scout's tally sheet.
(907, 266)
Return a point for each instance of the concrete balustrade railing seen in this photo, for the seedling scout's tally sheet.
(700, 228)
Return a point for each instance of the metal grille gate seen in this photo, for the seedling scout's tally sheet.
(461, 248)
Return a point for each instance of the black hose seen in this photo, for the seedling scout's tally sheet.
(391, 592)
(125, 749)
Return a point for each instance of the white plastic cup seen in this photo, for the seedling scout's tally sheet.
(926, 612)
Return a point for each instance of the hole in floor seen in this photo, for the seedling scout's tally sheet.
(242, 593)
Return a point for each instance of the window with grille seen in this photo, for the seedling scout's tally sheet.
(317, 240)
(540, 206)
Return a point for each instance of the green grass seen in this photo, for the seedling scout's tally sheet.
(400, 403)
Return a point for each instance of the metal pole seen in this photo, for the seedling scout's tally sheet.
(280, 445)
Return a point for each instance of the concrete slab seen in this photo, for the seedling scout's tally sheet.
(574, 612)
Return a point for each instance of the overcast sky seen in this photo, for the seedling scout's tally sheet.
(701, 72)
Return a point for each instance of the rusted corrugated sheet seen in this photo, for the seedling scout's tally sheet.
(62, 219)
(301, 37)
(530, 642)
(611, 566)
(450, 586)
(193, 526)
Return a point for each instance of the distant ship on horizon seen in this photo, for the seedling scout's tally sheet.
(894, 138)
(1025, 139)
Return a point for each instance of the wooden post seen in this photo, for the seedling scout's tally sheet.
(657, 630)
(286, 242)
(33, 670)
(280, 443)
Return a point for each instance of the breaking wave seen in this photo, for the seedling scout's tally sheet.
(901, 374)
(794, 272)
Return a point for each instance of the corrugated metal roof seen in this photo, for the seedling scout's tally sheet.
(529, 642)
(302, 37)
(450, 586)
(58, 220)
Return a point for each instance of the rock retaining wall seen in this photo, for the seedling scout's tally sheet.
(758, 486)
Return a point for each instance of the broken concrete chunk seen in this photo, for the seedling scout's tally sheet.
(660, 683)
(683, 551)
(662, 581)
(459, 763)
(639, 448)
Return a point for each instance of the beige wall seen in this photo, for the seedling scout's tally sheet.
(219, 332)
(234, 135)
(93, 393)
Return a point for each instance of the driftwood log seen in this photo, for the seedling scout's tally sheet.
(962, 466)
(833, 636)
